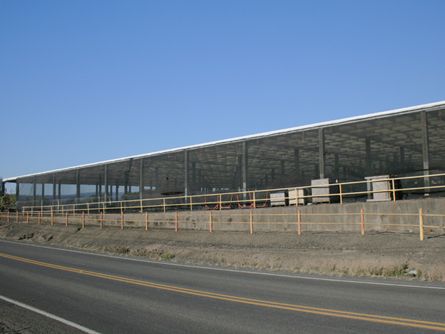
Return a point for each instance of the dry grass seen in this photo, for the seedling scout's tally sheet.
(339, 254)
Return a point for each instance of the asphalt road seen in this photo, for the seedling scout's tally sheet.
(120, 295)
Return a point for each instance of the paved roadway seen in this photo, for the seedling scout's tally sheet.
(120, 295)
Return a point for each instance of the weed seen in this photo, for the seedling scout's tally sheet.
(167, 256)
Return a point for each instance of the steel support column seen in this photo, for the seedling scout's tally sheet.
(297, 164)
(244, 166)
(34, 190)
(186, 173)
(402, 157)
(77, 185)
(425, 150)
(194, 173)
(105, 183)
(141, 179)
(368, 165)
(321, 153)
(368, 157)
(336, 166)
(17, 190)
(54, 189)
(42, 197)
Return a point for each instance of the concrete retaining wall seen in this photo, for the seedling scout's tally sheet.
(402, 216)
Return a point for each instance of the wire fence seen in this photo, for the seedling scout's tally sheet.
(293, 220)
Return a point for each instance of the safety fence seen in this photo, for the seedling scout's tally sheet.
(383, 189)
(292, 220)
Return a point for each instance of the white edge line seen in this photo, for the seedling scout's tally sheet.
(338, 280)
(49, 315)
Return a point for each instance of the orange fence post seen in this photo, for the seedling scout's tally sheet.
(393, 183)
(250, 222)
(421, 232)
(362, 221)
(340, 191)
(122, 220)
(83, 219)
(146, 221)
(176, 221)
(27, 217)
(254, 199)
(298, 222)
(210, 222)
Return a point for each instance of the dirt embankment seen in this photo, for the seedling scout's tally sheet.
(340, 254)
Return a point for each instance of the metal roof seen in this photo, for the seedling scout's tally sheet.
(393, 112)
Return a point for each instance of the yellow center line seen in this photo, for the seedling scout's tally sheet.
(438, 326)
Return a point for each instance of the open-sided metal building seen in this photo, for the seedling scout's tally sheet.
(402, 142)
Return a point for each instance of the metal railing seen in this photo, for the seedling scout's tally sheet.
(253, 199)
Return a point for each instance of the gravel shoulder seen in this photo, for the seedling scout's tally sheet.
(391, 255)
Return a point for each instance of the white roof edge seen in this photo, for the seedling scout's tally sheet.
(236, 139)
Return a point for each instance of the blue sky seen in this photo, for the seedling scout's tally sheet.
(83, 81)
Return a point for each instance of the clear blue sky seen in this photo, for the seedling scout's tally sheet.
(83, 81)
